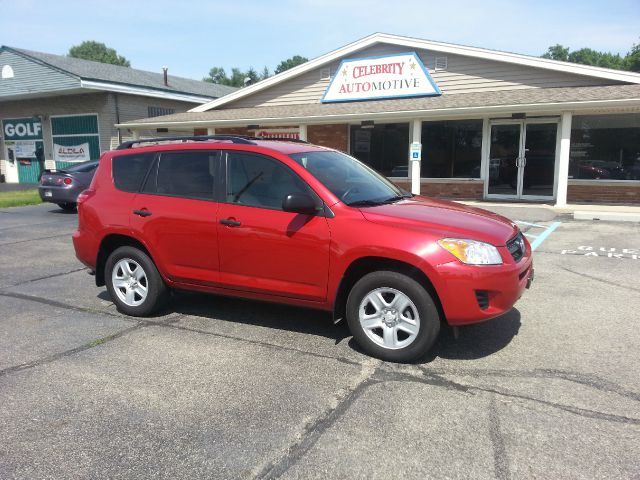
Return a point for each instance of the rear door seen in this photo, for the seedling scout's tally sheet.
(176, 213)
(262, 248)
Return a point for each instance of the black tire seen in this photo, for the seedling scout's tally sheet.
(428, 315)
(67, 207)
(157, 292)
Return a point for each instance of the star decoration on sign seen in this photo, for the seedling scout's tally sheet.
(413, 65)
(344, 72)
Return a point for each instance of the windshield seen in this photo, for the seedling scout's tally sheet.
(349, 179)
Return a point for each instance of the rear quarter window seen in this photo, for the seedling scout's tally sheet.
(129, 171)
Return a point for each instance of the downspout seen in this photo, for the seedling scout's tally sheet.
(115, 98)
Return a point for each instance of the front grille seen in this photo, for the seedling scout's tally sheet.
(482, 296)
(516, 247)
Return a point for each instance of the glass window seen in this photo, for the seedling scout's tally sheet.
(258, 181)
(187, 174)
(347, 178)
(384, 148)
(451, 149)
(83, 167)
(129, 170)
(605, 147)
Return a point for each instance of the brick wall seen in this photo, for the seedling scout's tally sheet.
(232, 131)
(454, 190)
(604, 193)
(332, 136)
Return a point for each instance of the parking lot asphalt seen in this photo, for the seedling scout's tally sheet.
(225, 388)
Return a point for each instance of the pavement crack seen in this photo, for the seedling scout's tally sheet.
(314, 430)
(53, 275)
(34, 239)
(73, 351)
(500, 458)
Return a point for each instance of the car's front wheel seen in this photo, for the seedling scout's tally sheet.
(392, 316)
(134, 283)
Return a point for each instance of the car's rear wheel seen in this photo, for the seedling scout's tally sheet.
(392, 316)
(134, 283)
(68, 207)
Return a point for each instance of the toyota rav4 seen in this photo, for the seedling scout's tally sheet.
(299, 224)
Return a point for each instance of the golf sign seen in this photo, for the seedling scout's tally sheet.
(375, 78)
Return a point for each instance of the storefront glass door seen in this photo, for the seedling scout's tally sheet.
(522, 158)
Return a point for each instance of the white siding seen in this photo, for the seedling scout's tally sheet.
(463, 75)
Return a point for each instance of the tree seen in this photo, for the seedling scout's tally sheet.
(557, 52)
(632, 60)
(290, 63)
(265, 73)
(98, 52)
(588, 56)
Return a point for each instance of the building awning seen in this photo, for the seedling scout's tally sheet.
(529, 100)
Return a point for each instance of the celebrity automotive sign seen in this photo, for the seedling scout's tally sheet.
(391, 76)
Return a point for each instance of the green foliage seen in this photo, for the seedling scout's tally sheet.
(19, 198)
(98, 52)
(240, 78)
(290, 63)
(588, 56)
(557, 52)
(632, 60)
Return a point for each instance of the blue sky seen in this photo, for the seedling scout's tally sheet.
(193, 36)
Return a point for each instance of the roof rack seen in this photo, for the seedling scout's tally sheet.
(240, 139)
(188, 138)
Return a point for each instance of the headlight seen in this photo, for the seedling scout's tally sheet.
(471, 252)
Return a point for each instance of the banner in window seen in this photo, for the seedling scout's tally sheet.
(71, 153)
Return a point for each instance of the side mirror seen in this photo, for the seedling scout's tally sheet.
(301, 203)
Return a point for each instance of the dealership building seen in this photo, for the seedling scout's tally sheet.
(448, 120)
(57, 110)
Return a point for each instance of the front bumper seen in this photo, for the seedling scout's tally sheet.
(474, 294)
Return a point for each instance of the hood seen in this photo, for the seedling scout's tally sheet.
(444, 218)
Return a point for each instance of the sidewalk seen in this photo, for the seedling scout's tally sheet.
(615, 213)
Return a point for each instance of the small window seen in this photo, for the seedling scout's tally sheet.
(159, 111)
(187, 174)
(325, 74)
(129, 170)
(257, 181)
(441, 63)
(7, 71)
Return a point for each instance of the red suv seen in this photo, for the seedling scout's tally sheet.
(300, 224)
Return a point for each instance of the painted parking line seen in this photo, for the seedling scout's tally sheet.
(538, 238)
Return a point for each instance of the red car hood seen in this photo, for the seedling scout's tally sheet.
(444, 218)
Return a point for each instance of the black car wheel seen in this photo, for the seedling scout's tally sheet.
(392, 316)
(67, 207)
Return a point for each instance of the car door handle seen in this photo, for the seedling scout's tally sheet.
(143, 213)
(230, 223)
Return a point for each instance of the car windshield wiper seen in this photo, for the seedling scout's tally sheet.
(373, 203)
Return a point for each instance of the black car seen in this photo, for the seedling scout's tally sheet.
(63, 186)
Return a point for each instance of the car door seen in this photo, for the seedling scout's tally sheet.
(262, 248)
(176, 214)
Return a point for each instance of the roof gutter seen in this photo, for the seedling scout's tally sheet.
(147, 92)
(552, 108)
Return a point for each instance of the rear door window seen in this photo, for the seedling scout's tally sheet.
(187, 174)
(129, 171)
